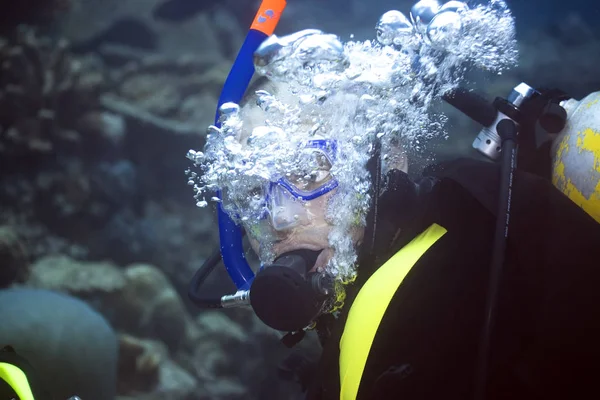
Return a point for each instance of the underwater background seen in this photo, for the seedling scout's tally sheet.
(100, 100)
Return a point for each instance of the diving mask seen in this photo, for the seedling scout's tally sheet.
(285, 202)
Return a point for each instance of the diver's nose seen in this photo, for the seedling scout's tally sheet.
(282, 218)
(285, 210)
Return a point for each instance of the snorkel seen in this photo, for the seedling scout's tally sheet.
(230, 234)
(285, 295)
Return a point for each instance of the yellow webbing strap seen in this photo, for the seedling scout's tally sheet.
(370, 304)
(17, 380)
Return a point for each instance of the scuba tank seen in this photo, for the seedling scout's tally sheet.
(576, 154)
(559, 137)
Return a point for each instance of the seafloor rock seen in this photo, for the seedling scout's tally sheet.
(62, 198)
(174, 95)
(103, 129)
(183, 237)
(72, 200)
(149, 306)
(70, 345)
(220, 337)
(139, 364)
(80, 278)
(167, 103)
(89, 121)
(237, 361)
(89, 20)
(127, 238)
(175, 383)
(146, 372)
(14, 260)
(138, 299)
(38, 240)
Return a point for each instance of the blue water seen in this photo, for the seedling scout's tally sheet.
(535, 14)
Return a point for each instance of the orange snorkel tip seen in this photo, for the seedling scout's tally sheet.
(268, 16)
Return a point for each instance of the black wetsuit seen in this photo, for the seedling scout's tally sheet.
(547, 338)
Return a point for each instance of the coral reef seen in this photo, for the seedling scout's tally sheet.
(96, 142)
(138, 299)
(62, 273)
(89, 146)
(175, 95)
(187, 358)
(89, 21)
(41, 87)
(139, 364)
(149, 306)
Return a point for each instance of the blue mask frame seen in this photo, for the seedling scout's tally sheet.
(329, 148)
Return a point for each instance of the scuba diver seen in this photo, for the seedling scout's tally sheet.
(434, 244)
(476, 280)
(18, 378)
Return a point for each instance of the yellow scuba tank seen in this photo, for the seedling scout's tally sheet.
(576, 154)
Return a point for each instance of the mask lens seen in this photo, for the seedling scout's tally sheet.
(285, 210)
(315, 171)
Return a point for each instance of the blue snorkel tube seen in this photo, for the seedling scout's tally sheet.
(230, 234)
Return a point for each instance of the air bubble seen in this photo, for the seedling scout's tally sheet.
(444, 30)
(423, 12)
(228, 109)
(392, 27)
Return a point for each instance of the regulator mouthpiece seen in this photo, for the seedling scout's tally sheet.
(285, 296)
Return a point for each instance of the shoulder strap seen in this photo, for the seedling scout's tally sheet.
(368, 309)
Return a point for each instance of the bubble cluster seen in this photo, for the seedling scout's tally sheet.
(356, 93)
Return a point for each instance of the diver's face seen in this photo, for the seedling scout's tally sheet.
(311, 234)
